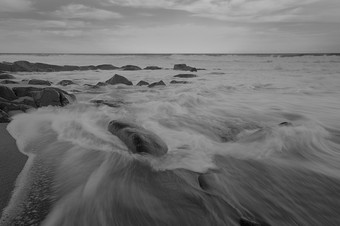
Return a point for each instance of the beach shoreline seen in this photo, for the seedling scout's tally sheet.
(12, 162)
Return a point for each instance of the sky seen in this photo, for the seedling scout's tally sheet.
(169, 26)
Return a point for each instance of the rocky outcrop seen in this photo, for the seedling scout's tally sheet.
(6, 76)
(130, 68)
(118, 79)
(142, 83)
(7, 93)
(152, 68)
(101, 84)
(66, 82)
(23, 98)
(160, 83)
(137, 139)
(25, 66)
(185, 76)
(39, 82)
(8, 82)
(178, 82)
(184, 67)
(107, 67)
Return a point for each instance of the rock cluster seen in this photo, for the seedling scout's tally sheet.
(184, 67)
(27, 97)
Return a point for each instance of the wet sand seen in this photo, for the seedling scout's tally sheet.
(11, 164)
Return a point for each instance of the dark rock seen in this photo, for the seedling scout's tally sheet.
(142, 83)
(6, 76)
(23, 66)
(160, 83)
(152, 68)
(7, 93)
(118, 79)
(4, 118)
(8, 82)
(47, 97)
(39, 82)
(137, 139)
(106, 67)
(10, 106)
(178, 82)
(111, 103)
(246, 222)
(101, 84)
(65, 82)
(5, 66)
(92, 86)
(48, 67)
(86, 68)
(285, 124)
(184, 67)
(185, 76)
(29, 101)
(70, 68)
(25, 91)
(131, 68)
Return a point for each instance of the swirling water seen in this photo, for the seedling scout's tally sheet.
(228, 158)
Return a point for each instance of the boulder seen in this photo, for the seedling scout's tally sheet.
(7, 93)
(70, 68)
(9, 106)
(131, 68)
(286, 124)
(92, 86)
(185, 76)
(160, 83)
(137, 139)
(101, 84)
(8, 82)
(86, 68)
(184, 67)
(118, 79)
(4, 117)
(29, 101)
(178, 82)
(6, 76)
(152, 68)
(5, 66)
(142, 83)
(66, 82)
(25, 91)
(39, 82)
(47, 97)
(106, 67)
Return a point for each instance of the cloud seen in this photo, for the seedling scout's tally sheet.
(229, 10)
(78, 11)
(15, 5)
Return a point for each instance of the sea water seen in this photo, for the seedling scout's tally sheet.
(228, 156)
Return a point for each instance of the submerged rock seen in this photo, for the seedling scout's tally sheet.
(137, 139)
(286, 124)
(8, 82)
(185, 76)
(152, 68)
(39, 82)
(184, 67)
(66, 82)
(6, 76)
(142, 83)
(160, 83)
(178, 82)
(101, 84)
(131, 68)
(106, 67)
(7, 93)
(118, 79)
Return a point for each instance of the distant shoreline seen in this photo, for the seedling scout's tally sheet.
(188, 54)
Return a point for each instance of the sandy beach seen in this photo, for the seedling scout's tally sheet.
(11, 164)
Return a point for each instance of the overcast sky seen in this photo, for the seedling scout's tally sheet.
(169, 26)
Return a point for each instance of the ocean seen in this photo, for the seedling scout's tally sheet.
(251, 139)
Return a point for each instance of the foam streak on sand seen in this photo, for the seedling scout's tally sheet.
(210, 152)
